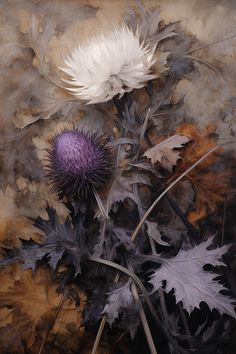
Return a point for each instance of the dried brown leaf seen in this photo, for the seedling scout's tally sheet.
(32, 301)
(210, 190)
(203, 141)
(12, 230)
(165, 152)
(210, 187)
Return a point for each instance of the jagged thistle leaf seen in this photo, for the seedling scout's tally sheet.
(123, 188)
(149, 25)
(119, 299)
(61, 242)
(184, 273)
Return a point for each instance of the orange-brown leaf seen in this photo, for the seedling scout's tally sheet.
(13, 229)
(210, 190)
(210, 187)
(32, 301)
(202, 142)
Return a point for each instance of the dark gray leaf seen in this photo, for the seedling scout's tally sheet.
(123, 141)
(122, 188)
(147, 167)
(123, 237)
(149, 25)
(62, 241)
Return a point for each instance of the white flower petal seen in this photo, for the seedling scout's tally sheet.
(108, 64)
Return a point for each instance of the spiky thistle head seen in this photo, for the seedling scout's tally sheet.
(110, 63)
(79, 162)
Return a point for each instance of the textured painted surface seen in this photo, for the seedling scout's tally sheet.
(31, 94)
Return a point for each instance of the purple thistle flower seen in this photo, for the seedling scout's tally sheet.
(79, 162)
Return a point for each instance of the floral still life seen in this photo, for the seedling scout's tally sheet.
(123, 249)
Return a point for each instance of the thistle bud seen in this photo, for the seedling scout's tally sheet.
(79, 163)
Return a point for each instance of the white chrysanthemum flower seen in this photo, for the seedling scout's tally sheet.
(108, 64)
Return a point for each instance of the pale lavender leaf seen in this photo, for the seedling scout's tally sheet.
(118, 300)
(191, 284)
(154, 233)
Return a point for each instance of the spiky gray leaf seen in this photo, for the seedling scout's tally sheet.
(184, 273)
(119, 300)
(61, 241)
(123, 189)
(154, 233)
